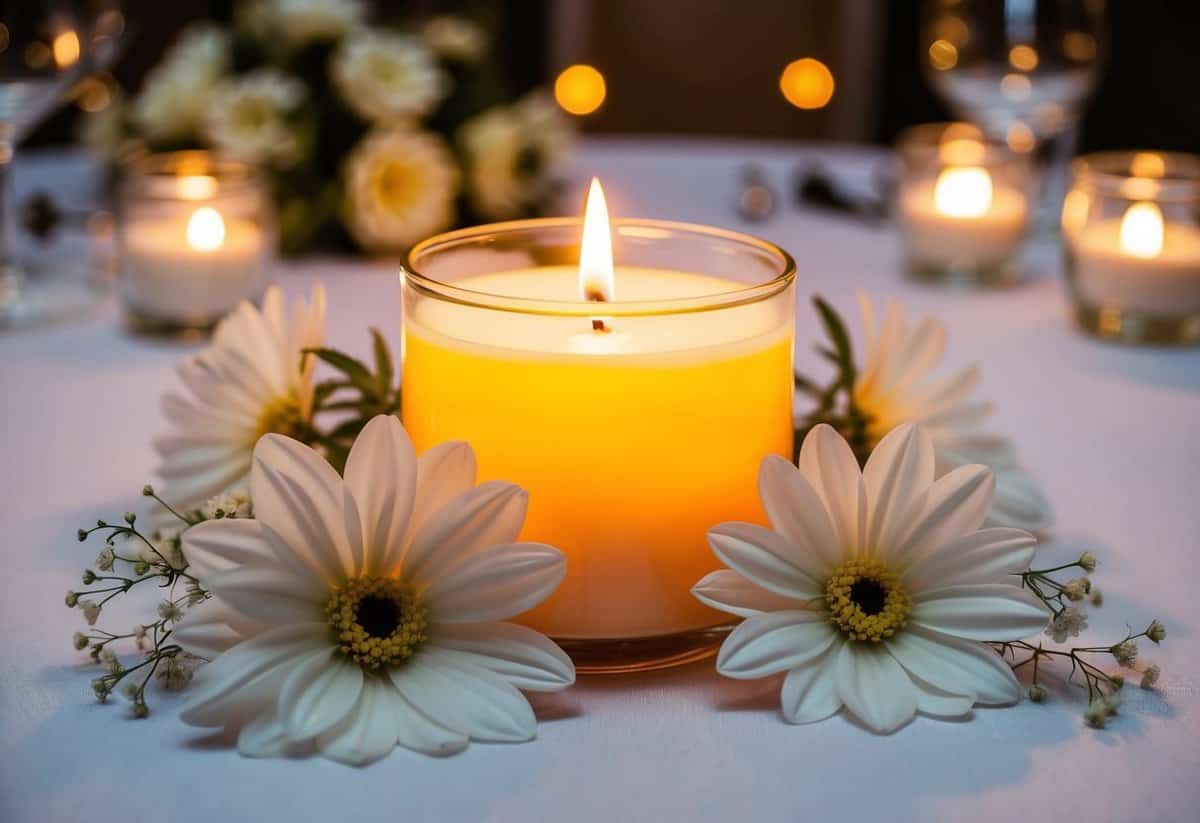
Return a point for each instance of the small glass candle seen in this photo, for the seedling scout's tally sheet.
(195, 237)
(963, 204)
(1131, 242)
(636, 423)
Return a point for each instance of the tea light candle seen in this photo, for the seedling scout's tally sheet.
(633, 434)
(962, 218)
(1139, 262)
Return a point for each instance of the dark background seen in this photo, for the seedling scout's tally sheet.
(710, 67)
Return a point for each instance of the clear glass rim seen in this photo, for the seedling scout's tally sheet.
(924, 141)
(785, 276)
(1108, 172)
(228, 173)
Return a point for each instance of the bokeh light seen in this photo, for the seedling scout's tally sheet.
(943, 55)
(807, 83)
(580, 89)
(1023, 58)
(1020, 138)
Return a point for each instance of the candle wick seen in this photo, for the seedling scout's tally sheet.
(598, 323)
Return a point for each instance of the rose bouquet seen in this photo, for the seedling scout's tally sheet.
(370, 136)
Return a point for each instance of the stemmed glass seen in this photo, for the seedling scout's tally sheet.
(46, 48)
(1019, 69)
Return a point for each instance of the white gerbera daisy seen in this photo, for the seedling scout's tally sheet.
(174, 98)
(246, 116)
(455, 38)
(876, 588)
(247, 383)
(895, 386)
(400, 188)
(302, 21)
(353, 615)
(388, 77)
(512, 152)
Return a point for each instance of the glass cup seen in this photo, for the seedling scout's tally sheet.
(1131, 243)
(196, 236)
(963, 202)
(635, 425)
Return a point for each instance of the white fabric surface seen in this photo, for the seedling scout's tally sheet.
(1113, 432)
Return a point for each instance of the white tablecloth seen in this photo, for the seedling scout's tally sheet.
(1113, 432)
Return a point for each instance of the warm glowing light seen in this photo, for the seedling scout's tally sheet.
(1015, 86)
(1075, 210)
(197, 187)
(1079, 46)
(952, 29)
(1142, 230)
(580, 89)
(963, 192)
(595, 252)
(943, 55)
(93, 94)
(807, 83)
(1023, 58)
(961, 151)
(66, 48)
(1148, 164)
(1020, 138)
(205, 230)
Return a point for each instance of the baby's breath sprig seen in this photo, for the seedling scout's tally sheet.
(1061, 596)
(132, 559)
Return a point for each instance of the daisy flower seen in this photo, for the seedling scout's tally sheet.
(876, 589)
(400, 188)
(388, 77)
(455, 38)
(352, 615)
(895, 385)
(246, 383)
(302, 21)
(174, 98)
(246, 116)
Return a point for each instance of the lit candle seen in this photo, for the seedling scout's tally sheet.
(1139, 261)
(634, 431)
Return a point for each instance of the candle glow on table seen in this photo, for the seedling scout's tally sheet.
(633, 434)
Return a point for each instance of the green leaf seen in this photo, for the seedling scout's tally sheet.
(836, 331)
(354, 369)
(383, 363)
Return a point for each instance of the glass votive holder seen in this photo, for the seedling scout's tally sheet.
(963, 204)
(195, 236)
(1131, 245)
(608, 421)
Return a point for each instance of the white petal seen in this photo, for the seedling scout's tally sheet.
(1020, 501)
(728, 591)
(496, 583)
(874, 687)
(986, 556)
(318, 694)
(487, 515)
(809, 691)
(797, 512)
(381, 476)
(298, 495)
(236, 543)
(830, 466)
(773, 642)
(897, 475)
(443, 472)
(525, 658)
(955, 505)
(954, 665)
(368, 732)
(414, 730)
(264, 736)
(765, 557)
(269, 596)
(225, 688)
(980, 611)
(934, 701)
(464, 697)
(921, 351)
(210, 628)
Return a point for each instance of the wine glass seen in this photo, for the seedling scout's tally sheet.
(1019, 69)
(46, 48)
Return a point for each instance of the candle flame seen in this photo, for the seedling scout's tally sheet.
(65, 48)
(205, 230)
(963, 192)
(197, 186)
(1142, 230)
(595, 252)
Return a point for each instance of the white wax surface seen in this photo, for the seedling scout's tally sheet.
(933, 237)
(716, 333)
(163, 275)
(1168, 283)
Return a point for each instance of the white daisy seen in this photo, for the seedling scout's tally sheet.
(455, 38)
(388, 77)
(246, 116)
(174, 98)
(400, 188)
(354, 615)
(246, 383)
(302, 21)
(512, 153)
(876, 588)
(895, 386)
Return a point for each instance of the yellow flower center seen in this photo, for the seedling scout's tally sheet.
(378, 621)
(396, 186)
(281, 416)
(866, 601)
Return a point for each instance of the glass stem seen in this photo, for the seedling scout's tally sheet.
(10, 280)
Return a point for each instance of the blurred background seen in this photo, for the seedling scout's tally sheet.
(861, 69)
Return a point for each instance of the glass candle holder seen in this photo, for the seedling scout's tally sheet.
(195, 237)
(636, 425)
(963, 204)
(1131, 243)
